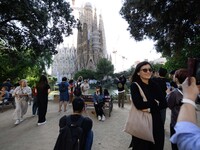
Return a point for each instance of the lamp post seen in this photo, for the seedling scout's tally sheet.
(123, 58)
(115, 52)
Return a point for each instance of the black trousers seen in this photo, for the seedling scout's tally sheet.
(99, 109)
(42, 110)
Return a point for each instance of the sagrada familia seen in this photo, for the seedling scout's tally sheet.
(90, 48)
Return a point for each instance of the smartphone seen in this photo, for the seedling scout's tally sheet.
(194, 69)
(168, 85)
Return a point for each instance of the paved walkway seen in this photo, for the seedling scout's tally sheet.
(108, 135)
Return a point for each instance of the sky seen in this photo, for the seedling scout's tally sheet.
(117, 37)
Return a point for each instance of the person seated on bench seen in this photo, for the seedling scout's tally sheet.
(98, 99)
(106, 94)
(4, 95)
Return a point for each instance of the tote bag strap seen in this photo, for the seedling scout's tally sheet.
(141, 92)
(143, 96)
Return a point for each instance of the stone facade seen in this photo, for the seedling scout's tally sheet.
(91, 46)
(91, 42)
(64, 63)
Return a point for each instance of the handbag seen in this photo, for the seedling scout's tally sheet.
(139, 122)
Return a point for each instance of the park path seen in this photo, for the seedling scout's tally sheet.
(108, 135)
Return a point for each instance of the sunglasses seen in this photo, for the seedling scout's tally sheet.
(145, 70)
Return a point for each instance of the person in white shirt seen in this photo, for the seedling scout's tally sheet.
(21, 94)
(85, 87)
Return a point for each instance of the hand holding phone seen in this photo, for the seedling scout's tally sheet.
(194, 70)
(190, 91)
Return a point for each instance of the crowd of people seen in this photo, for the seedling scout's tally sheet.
(162, 92)
(70, 90)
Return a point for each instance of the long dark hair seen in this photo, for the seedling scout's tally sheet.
(100, 91)
(42, 82)
(105, 92)
(135, 77)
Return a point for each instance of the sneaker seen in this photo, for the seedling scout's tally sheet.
(39, 124)
(17, 122)
(103, 118)
(99, 118)
(21, 120)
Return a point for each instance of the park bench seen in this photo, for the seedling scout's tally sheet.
(90, 104)
(6, 102)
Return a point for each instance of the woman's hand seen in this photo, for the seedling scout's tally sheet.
(190, 92)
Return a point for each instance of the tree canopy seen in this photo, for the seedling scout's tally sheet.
(85, 73)
(104, 68)
(34, 25)
(30, 32)
(174, 25)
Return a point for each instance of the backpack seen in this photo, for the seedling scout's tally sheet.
(71, 136)
(63, 87)
(77, 90)
(119, 85)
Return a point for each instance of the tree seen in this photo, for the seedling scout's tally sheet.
(174, 25)
(29, 34)
(156, 66)
(180, 60)
(105, 68)
(52, 81)
(86, 74)
(21, 65)
(34, 25)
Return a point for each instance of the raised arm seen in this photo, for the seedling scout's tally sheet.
(188, 112)
(187, 134)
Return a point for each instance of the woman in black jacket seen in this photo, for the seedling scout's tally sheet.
(42, 90)
(155, 102)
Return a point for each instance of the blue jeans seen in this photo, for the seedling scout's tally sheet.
(89, 140)
(35, 106)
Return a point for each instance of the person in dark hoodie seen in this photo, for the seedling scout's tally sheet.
(121, 91)
(163, 82)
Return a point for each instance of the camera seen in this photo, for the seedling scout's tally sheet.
(194, 69)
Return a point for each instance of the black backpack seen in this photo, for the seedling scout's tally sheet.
(77, 90)
(63, 87)
(71, 136)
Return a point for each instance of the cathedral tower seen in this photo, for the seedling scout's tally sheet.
(91, 44)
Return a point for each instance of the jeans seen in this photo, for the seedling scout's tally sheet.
(89, 140)
(35, 106)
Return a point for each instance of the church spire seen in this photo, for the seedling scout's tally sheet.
(95, 20)
(103, 38)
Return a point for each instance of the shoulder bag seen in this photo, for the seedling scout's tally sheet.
(139, 122)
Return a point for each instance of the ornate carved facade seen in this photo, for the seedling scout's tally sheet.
(91, 42)
(64, 63)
